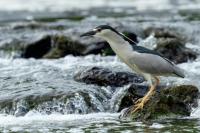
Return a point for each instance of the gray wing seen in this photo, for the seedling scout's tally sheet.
(155, 64)
(141, 49)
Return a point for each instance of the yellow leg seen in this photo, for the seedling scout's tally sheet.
(139, 104)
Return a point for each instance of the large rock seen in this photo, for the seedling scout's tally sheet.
(38, 48)
(106, 77)
(56, 101)
(57, 46)
(171, 45)
(167, 103)
(62, 45)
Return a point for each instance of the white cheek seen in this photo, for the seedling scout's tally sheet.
(105, 34)
(99, 34)
(102, 33)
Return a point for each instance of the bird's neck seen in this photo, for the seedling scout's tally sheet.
(120, 46)
(113, 38)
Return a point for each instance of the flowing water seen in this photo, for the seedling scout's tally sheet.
(42, 96)
(21, 78)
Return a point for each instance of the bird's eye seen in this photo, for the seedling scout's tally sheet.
(98, 30)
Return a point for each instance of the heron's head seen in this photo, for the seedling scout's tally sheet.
(108, 33)
(101, 31)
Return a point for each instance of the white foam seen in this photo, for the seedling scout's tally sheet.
(196, 111)
(157, 126)
(6, 120)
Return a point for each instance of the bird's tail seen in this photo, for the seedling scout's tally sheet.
(179, 72)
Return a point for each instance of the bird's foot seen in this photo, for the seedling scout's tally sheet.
(139, 104)
(138, 101)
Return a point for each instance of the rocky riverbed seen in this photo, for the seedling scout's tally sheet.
(50, 75)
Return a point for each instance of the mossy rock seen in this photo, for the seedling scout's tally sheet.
(171, 44)
(168, 103)
(62, 46)
(175, 50)
(54, 46)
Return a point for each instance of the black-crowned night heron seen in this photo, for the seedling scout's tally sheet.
(148, 63)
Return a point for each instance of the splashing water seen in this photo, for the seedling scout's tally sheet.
(41, 95)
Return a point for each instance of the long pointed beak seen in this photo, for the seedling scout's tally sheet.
(90, 33)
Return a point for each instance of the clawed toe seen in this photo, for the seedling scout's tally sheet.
(138, 106)
(138, 101)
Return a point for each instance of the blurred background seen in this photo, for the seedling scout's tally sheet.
(9, 8)
(42, 56)
(63, 5)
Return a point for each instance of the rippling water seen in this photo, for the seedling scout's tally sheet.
(22, 77)
(41, 95)
(100, 122)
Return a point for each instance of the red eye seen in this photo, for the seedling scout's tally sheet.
(98, 30)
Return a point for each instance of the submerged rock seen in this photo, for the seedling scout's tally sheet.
(171, 45)
(170, 102)
(63, 103)
(106, 77)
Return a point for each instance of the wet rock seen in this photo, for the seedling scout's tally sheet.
(174, 50)
(163, 32)
(170, 102)
(79, 102)
(135, 91)
(21, 111)
(51, 90)
(57, 46)
(171, 45)
(38, 48)
(106, 77)
(62, 45)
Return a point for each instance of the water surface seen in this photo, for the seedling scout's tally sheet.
(42, 96)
